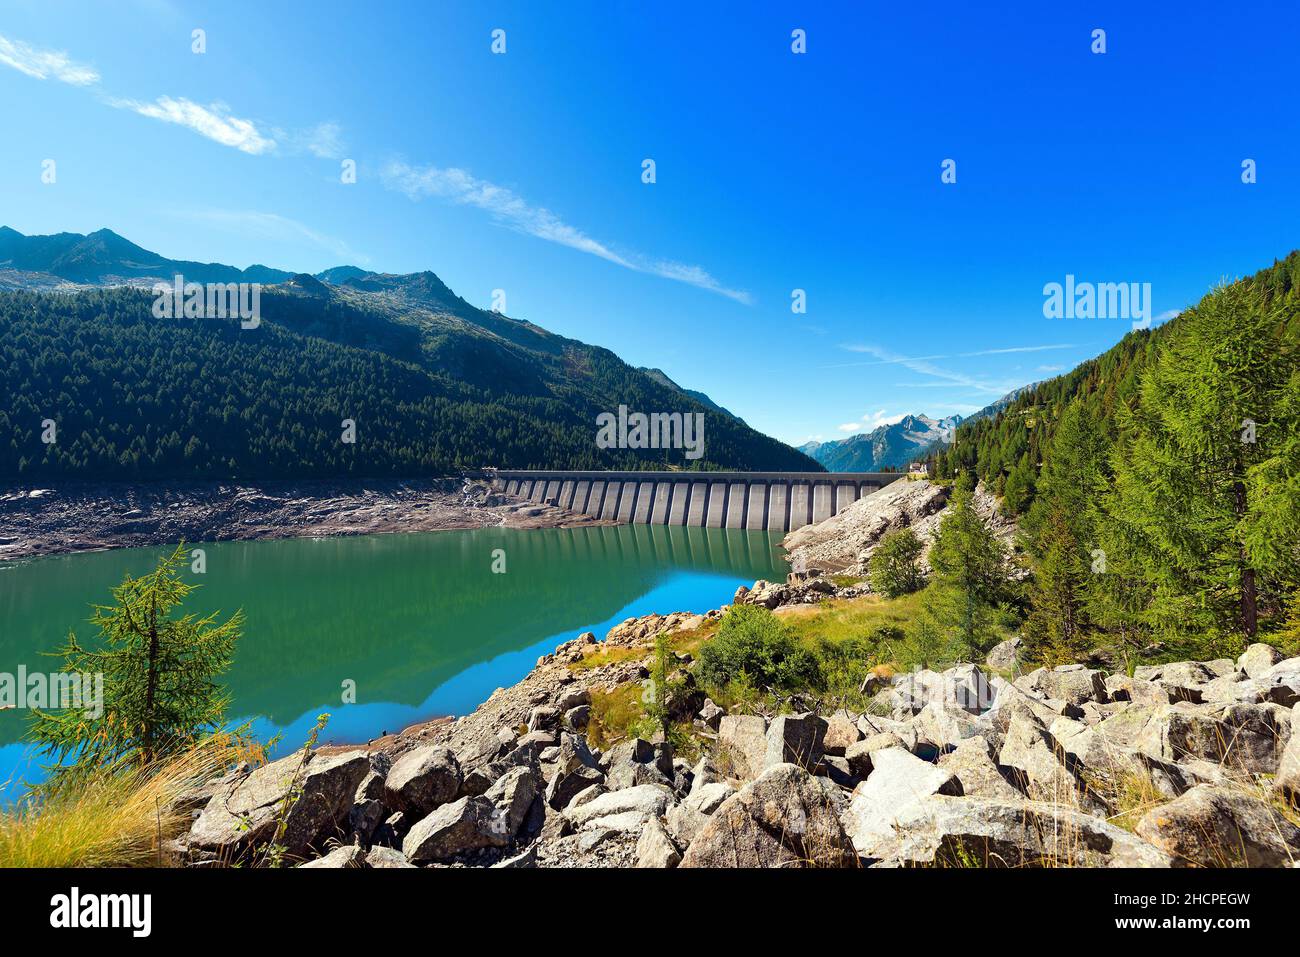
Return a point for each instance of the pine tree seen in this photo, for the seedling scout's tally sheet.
(895, 564)
(1055, 628)
(1019, 488)
(159, 677)
(969, 571)
(1205, 425)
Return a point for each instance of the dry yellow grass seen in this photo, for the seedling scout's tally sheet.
(111, 819)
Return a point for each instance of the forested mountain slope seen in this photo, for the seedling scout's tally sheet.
(432, 383)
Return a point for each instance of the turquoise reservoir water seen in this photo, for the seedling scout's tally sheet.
(421, 623)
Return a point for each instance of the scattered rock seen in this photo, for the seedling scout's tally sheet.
(1257, 659)
(1045, 771)
(1287, 781)
(655, 848)
(347, 856)
(247, 811)
(423, 779)
(795, 739)
(978, 832)
(784, 818)
(742, 743)
(1213, 827)
(387, 857)
(1005, 655)
(711, 714)
(859, 755)
(977, 772)
(616, 808)
(469, 824)
(898, 779)
(512, 796)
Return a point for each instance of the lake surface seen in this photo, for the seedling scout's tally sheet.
(421, 623)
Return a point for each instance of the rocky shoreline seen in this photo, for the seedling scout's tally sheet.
(64, 519)
(1183, 764)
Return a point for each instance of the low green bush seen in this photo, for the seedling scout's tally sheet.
(753, 647)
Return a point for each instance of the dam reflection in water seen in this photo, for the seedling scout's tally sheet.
(421, 623)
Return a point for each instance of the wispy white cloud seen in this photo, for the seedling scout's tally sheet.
(903, 360)
(923, 365)
(872, 421)
(45, 64)
(324, 140)
(271, 226)
(213, 121)
(509, 209)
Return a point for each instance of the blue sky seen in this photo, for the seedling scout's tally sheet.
(775, 171)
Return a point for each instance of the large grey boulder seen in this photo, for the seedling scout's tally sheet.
(687, 819)
(1216, 827)
(871, 725)
(564, 787)
(1287, 782)
(615, 809)
(945, 725)
(348, 856)
(1281, 683)
(964, 687)
(655, 848)
(1111, 767)
(387, 858)
(1244, 737)
(795, 739)
(1011, 700)
(841, 731)
(469, 824)
(1257, 659)
(513, 795)
(978, 832)
(858, 755)
(423, 779)
(1073, 684)
(1043, 769)
(977, 771)
(637, 761)
(1123, 687)
(1005, 655)
(784, 818)
(898, 779)
(481, 771)
(247, 811)
(742, 744)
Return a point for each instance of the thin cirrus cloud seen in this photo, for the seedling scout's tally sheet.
(271, 226)
(511, 210)
(45, 64)
(213, 121)
(924, 365)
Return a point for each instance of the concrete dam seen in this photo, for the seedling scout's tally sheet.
(769, 501)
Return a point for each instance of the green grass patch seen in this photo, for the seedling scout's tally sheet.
(841, 620)
(613, 713)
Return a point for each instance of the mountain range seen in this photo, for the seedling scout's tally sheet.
(888, 446)
(433, 383)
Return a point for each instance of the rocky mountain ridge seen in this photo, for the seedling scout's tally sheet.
(892, 445)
